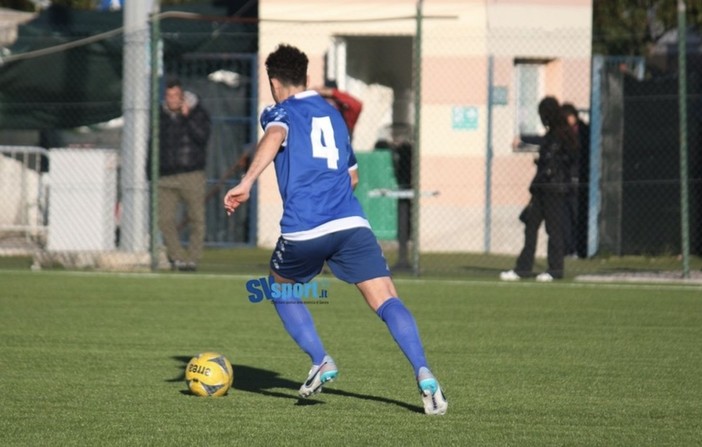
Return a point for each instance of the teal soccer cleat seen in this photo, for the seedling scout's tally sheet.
(318, 376)
(435, 402)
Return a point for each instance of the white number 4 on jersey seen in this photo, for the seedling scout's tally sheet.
(323, 142)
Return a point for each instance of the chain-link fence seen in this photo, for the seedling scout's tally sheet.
(443, 143)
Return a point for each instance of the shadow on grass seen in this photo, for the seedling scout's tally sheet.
(264, 382)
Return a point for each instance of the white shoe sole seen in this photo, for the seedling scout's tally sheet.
(434, 404)
(317, 378)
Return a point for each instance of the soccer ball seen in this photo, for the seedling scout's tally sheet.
(209, 374)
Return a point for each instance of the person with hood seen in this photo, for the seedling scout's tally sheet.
(549, 188)
(183, 136)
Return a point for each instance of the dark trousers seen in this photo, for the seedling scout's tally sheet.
(404, 215)
(582, 224)
(571, 234)
(545, 207)
(187, 188)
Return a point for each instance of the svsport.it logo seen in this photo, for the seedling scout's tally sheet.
(313, 291)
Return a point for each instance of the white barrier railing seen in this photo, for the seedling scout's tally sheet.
(23, 193)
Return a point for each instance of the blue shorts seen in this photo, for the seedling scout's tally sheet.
(353, 255)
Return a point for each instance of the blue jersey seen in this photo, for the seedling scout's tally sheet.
(312, 168)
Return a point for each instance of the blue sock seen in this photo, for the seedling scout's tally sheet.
(298, 322)
(404, 330)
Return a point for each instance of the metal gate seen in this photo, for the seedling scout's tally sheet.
(226, 84)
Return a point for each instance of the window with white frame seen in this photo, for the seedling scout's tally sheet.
(529, 90)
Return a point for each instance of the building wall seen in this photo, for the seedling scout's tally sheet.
(9, 19)
(458, 37)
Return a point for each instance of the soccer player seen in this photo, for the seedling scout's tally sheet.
(322, 221)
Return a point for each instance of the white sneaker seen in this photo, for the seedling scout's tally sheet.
(510, 275)
(544, 277)
(433, 398)
(318, 376)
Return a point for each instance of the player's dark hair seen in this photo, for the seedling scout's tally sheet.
(288, 65)
(550, 112)
(569, 109)
(173, 82)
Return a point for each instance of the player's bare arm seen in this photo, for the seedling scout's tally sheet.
(265, 153)
(353, 173)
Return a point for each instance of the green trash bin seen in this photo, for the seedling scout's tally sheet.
(376, 172)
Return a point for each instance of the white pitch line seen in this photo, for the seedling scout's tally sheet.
(467, 282)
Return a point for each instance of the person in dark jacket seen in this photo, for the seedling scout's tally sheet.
(549, 188)
(577, 203)
(183, 136)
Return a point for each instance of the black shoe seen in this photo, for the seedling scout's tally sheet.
(181, 266)
(187, 267)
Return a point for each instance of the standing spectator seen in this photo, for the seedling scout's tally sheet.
(349, 106)
(549, 189)
(184, 132)
(577, 202)
(402, 167)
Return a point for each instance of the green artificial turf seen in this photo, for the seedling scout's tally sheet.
(98, 359)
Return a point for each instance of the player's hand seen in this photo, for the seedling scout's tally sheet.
(235, 197)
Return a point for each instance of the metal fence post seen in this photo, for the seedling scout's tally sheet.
(417, 87)
(682, 102)
(135, 102)
(595, 174)
(488, 159)
(156, 69)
